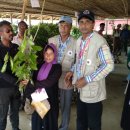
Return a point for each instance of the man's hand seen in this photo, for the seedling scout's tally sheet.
(68, 78)
(81, 82)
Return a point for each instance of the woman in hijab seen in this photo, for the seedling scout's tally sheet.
(47, 77)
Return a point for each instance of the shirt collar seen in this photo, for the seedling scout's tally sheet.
(86, 37)
(65, 41)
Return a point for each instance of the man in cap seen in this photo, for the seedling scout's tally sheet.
(93, 63)
(65, 44)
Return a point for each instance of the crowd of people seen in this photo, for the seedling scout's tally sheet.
(120, 40)
(68, 64)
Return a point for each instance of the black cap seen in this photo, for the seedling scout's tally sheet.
(87, 14)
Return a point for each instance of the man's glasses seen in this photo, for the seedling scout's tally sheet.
(9, 30)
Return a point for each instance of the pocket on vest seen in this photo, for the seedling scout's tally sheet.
(93, 90)
(90, 91)
(67, 63)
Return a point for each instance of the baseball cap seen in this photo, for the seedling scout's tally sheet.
(66, 19)
(88, 14)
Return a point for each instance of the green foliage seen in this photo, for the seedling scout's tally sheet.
(6, 58)
(128, 27)
(15, 29)
(75, 32)
(128, 60)
(25, 61)
(45, 31)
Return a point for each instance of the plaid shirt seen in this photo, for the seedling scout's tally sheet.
(104, 68)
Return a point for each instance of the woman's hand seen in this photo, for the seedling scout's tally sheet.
(24, 82)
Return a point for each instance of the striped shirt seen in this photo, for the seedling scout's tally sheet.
(83, 45)
(105, 66)
(17, 40)
(61, 49)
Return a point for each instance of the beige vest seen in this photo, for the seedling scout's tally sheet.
(68, 58)
(94, 91)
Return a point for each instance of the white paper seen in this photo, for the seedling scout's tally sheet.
(35, 3)
(39, 96)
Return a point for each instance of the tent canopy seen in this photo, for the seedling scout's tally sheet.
(102, 8)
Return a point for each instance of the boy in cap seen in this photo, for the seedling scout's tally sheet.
(65, 44)
(93, 63)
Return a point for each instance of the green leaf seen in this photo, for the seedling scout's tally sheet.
(6, 58)
(30, 42)
(4, 68)
(25, 61)
(11, 63)
(36, 48)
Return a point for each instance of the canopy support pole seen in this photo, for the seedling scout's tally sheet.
(25, 2)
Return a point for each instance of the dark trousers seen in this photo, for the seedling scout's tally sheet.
(37, 123)
(125, 44)
(49, 122)
(89, 115)
(125, 118)
(117, 46)
(9, 100)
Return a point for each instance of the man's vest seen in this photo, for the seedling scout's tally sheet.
(94, 91)
(68, 58)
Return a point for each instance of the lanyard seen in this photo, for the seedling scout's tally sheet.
(84, 46)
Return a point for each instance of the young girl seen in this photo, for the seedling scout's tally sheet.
(47, 77)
